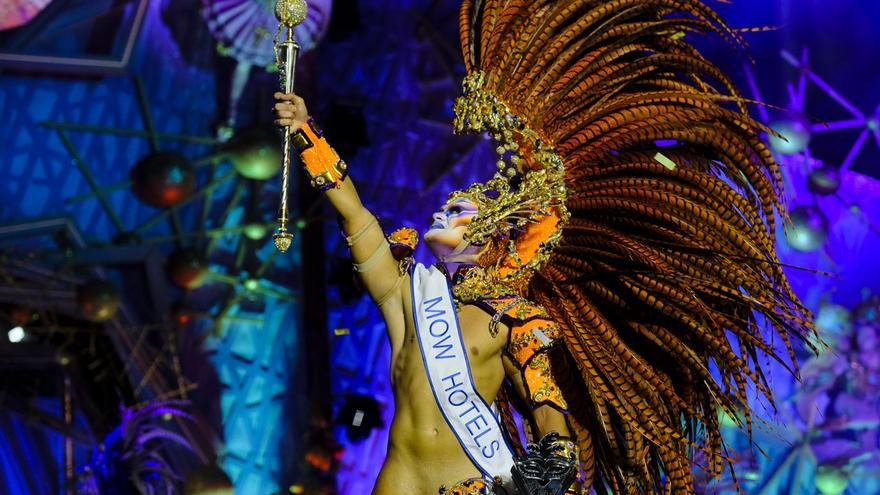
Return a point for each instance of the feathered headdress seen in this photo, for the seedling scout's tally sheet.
(637, 203)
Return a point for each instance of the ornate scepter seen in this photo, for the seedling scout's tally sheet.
(289, 13)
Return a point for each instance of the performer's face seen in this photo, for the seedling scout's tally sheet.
(450, 224)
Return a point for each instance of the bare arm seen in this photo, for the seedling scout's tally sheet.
(369, 248)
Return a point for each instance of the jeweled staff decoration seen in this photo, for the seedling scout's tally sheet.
(290, 13)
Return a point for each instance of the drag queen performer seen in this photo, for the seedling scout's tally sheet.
(616, 282)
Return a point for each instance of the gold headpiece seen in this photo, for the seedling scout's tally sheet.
(523, 204)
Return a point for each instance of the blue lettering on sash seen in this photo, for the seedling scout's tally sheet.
(451, 379)
(456, 395)
(430, 311)
(493, 448)
(443, 348)
(476, 423)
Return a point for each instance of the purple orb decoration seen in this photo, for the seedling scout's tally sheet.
(246, 28)
(187, 268)
(824, 180)
(808, 229)
(255, 153)
(97, 300)
(163, 179)
(868, 311)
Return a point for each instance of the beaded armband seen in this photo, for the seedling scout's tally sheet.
(321, 161)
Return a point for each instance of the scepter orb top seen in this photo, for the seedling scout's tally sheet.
(291, 12)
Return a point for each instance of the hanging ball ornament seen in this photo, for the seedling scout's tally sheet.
(831, 480)
(797, 137)
(255, 153)
(824, 180)
(868, 311)
(163, 179)
(808, 229)
(21, 316)
(97, 300)
(187, 268)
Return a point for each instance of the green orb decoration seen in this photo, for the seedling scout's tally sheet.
(255, 153)
(808, 229)
(831, 480)
(255, 231)
(251, 284)
(797, 137)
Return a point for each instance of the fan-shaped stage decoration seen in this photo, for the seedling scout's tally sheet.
(15, 13)
(247, 27)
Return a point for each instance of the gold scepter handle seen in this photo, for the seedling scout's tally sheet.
(289, 13)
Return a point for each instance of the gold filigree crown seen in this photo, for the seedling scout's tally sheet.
(528, 188)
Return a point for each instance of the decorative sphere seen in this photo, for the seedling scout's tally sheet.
(824, 180)
(251, 284)
(255, 153)
(833, 322)
(208, 479)
(797, 137)
(868, 311)
(97, 300)
(831, 480)
(808, 230)
(20, 316)
(163, 179)
(187, 268)
(255, 231)
(291, 12)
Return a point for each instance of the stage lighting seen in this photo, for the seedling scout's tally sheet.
(16, 335)
(360, 415)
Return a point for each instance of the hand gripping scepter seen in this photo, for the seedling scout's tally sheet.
(289, 13)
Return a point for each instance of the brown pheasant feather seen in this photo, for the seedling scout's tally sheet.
(666, 276)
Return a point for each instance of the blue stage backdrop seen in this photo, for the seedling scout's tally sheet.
(243, 318)
(382, 85)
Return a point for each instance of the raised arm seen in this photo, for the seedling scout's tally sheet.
(370, 251)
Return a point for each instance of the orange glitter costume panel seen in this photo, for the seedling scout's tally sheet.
(326, 170)
(533, 335)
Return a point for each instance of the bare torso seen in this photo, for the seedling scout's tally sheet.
(423, 453)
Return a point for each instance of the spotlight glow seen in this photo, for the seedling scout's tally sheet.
(16, 335)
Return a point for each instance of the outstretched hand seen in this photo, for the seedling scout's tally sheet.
(290, 111)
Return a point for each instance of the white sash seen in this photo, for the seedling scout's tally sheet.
(446, 363)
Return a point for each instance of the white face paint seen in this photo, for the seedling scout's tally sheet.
(447, 232)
